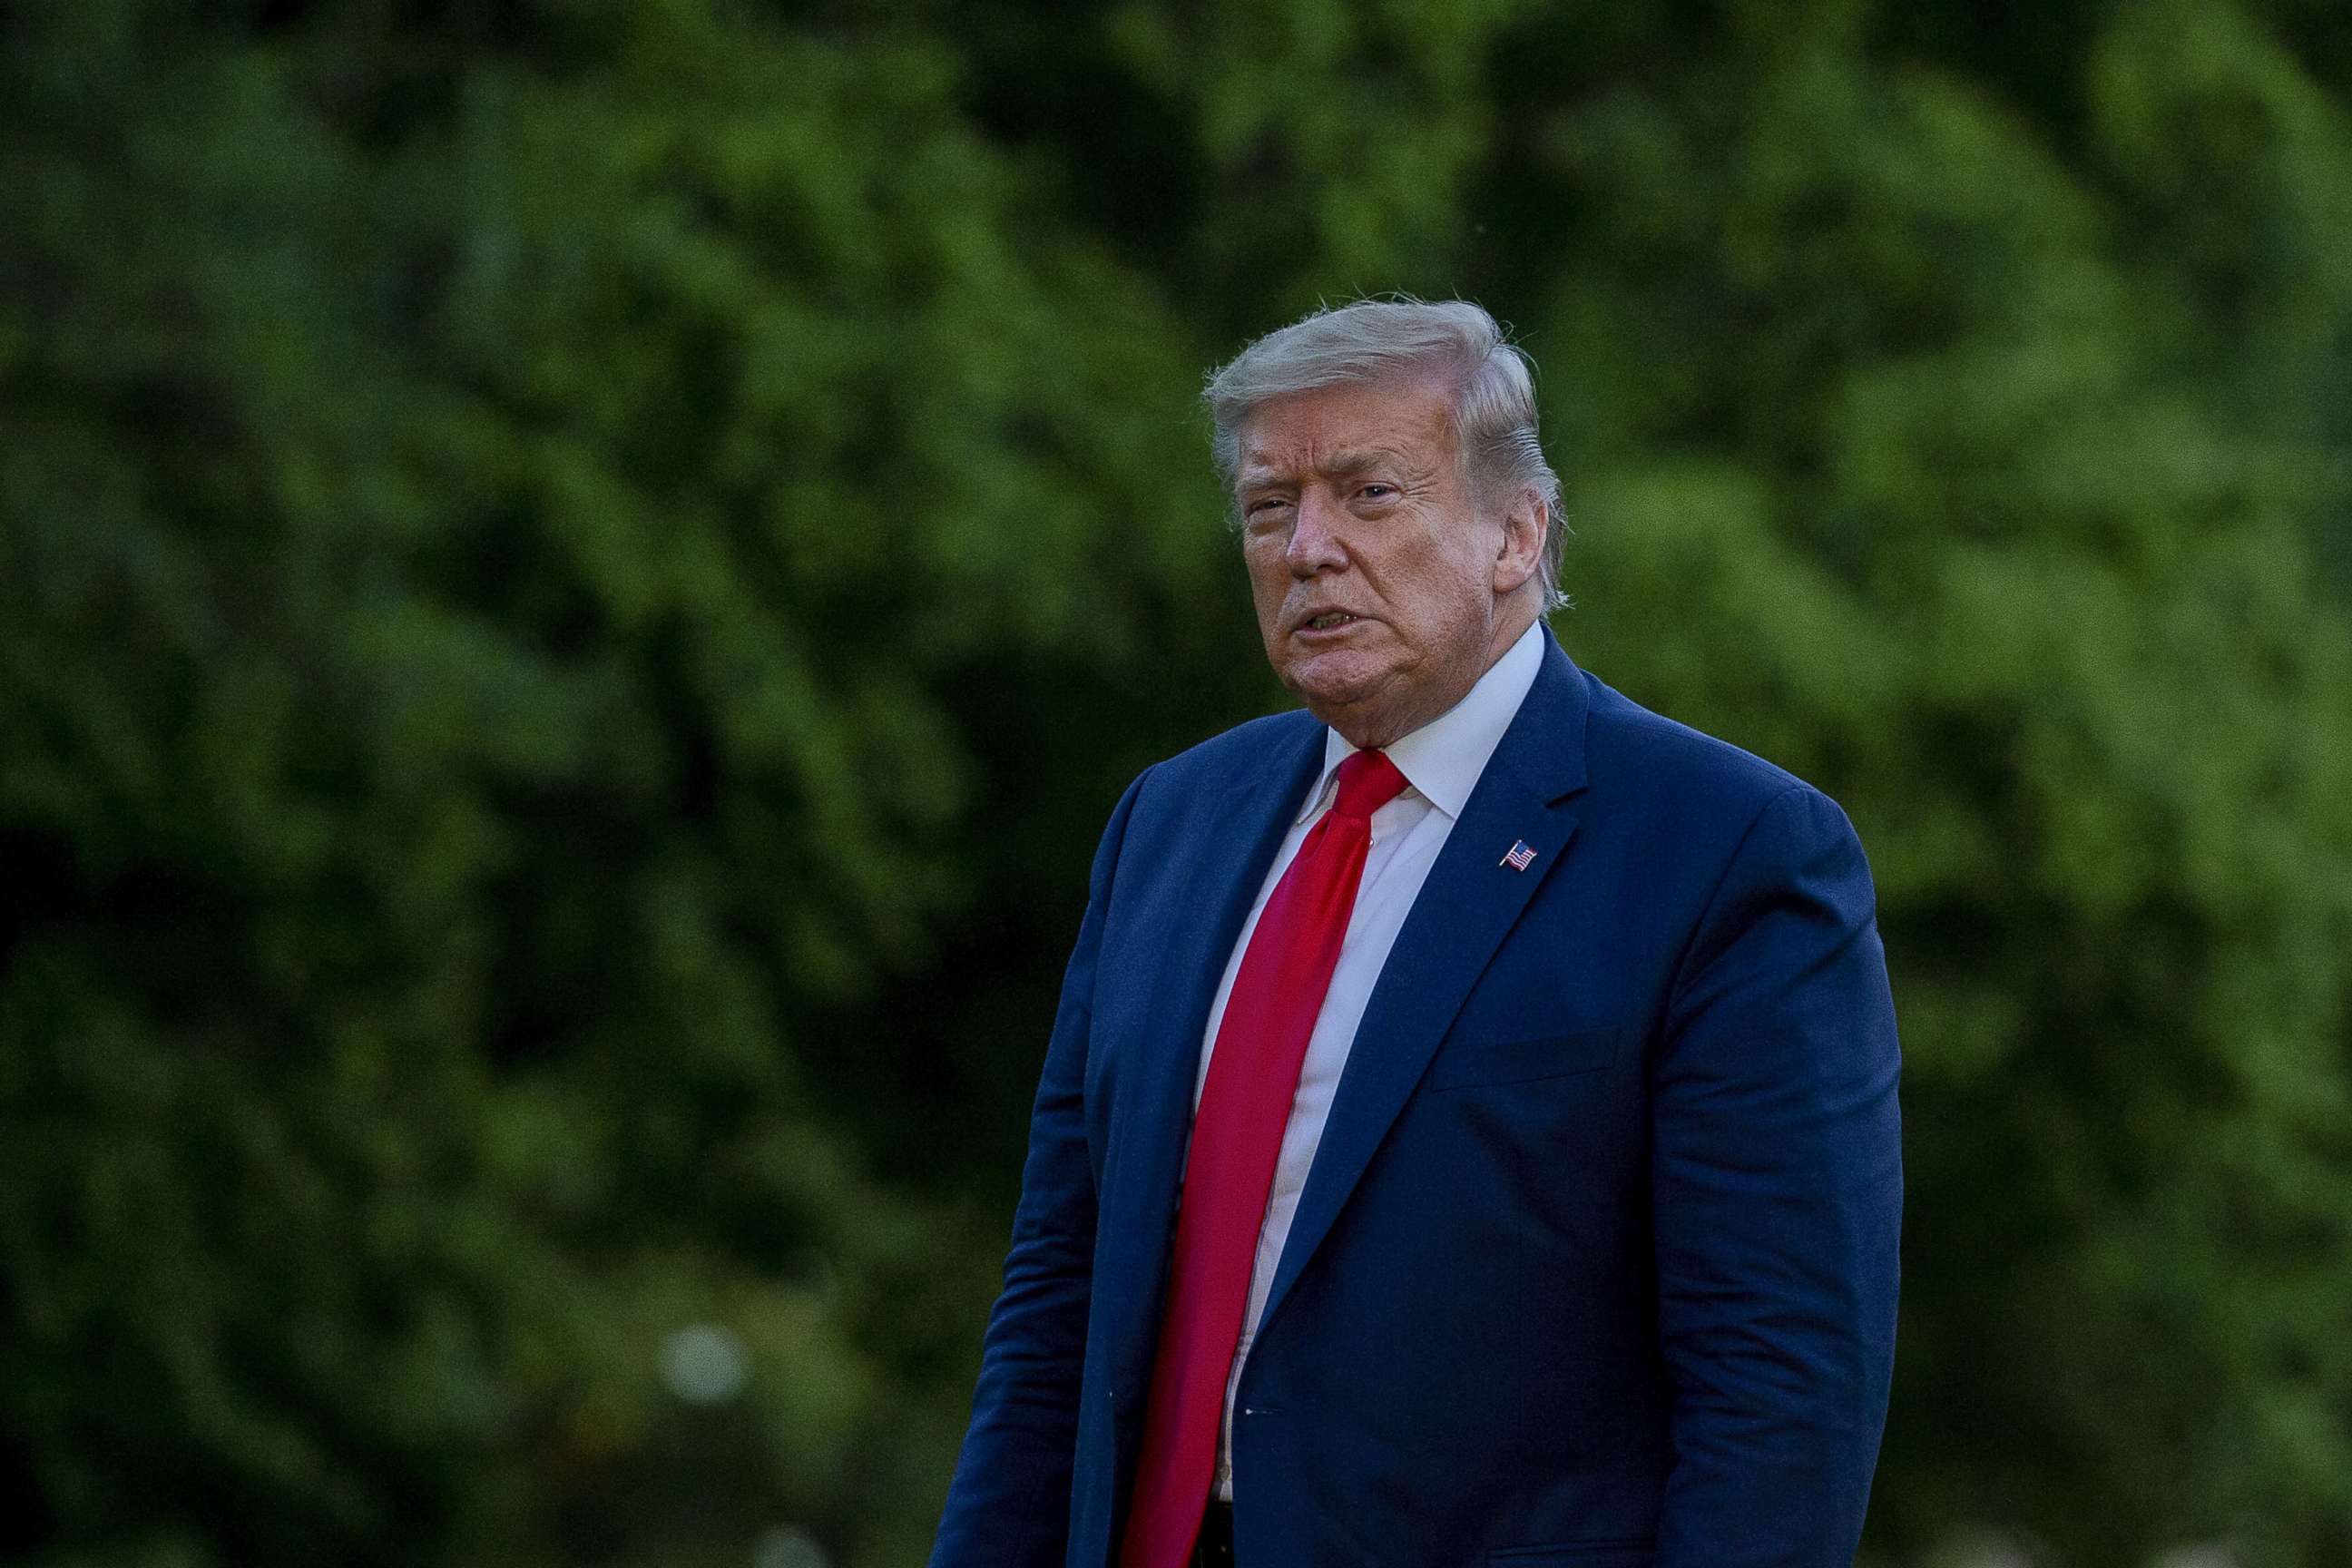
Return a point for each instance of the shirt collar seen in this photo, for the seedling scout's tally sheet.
(1444, 758)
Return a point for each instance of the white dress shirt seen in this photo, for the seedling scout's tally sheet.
(1441, 763)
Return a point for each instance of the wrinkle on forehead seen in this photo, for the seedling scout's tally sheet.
(1323, 432)
(1262, 467)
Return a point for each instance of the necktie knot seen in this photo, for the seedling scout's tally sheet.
(1368, 781)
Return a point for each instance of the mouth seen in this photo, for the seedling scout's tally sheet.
(1327, 621)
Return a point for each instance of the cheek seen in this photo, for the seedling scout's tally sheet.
(1269, 586)
(1425, 590)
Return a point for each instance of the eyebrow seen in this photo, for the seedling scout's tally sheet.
(1343, 465)
(1338, 466)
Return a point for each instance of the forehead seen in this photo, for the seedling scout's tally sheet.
(1347, 424)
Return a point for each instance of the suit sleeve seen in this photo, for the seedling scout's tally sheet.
(1776, 1179)
(1009, 1504)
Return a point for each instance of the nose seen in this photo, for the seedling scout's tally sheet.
(1314, 545)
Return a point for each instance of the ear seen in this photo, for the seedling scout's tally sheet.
(1525, 523)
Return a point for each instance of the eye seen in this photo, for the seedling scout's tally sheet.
(1377, 491)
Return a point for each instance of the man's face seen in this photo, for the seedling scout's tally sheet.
(1379, 587)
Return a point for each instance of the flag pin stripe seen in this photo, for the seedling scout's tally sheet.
(1519, 856)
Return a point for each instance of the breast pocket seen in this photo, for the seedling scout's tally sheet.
(1475, 1063)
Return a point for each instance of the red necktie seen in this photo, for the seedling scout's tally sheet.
(1229, 1170)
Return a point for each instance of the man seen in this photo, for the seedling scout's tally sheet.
(1468, 1134)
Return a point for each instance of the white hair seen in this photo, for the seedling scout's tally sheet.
(1395, 339)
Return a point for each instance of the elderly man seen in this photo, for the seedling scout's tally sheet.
(1468, 1134)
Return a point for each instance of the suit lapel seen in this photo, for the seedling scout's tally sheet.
(1231, 843)
(1464, 910)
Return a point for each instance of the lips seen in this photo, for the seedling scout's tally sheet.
(1325, 621)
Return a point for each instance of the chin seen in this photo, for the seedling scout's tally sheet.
(1337, 681)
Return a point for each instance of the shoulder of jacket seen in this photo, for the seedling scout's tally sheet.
(1629, 747)
(1235, 752)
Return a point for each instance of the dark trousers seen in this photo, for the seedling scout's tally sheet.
(1215, 1547)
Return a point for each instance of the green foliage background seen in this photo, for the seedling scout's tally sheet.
(577, 577)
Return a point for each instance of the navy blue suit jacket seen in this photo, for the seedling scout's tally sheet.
(1595, 1265)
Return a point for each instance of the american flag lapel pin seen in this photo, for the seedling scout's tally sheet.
(1519, 856)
